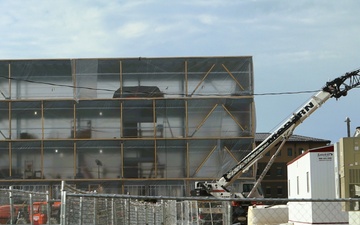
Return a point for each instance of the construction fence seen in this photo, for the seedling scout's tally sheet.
(77, 207)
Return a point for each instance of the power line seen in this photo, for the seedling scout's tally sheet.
(53, 84)
(111, 90)
(287, 93)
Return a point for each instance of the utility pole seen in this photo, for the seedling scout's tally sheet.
(347, 120)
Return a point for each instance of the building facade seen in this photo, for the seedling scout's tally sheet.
(275, 183)
(133, 125)
(347, 170)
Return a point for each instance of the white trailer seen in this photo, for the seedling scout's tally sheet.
(311, 176)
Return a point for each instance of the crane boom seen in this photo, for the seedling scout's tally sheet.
(315, 102)
(332, 89)
(335, 88)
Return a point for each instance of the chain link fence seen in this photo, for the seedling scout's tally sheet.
(91, 209)
(77, 207)
(15, 206)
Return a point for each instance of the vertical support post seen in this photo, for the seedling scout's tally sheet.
(186, 119)
(42, 120)
(73, 70)
(181, 212)
(10, 119)
(121, 102)
(211, 212)
(81, 206)
(187, 169)
(10, 157)
(155, 140)
(154, 213)
(136, 215)
(187, 160)
(42, 141)
(122, 164)
(75, 163)
(41, 160)
(94, 210)
(11, 204)
(186, 79)
(31, 209)
(48, 207)
(63, 204)
(121, 120)
(121, 76)
(227, 213)
(146, 213)
(74, 125)
(196, 212)
(113, 212)
(154, 117)
(127, 206)
(107, 211)
(9, 69)
(163, 211)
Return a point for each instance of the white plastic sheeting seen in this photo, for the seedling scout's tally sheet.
(60, 116)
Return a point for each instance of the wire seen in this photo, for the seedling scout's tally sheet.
(53, 84)
(177, 94)
(288, 93)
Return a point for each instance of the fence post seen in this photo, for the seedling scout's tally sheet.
(107, 211)
(163, 211)
(31, 209)
(154, 214)
(95, 213)
(136, 214)
(227, 213)
(187, 212)
(81, 211)
(170, 212)
(48, 207)
(146, 213)
(196, 212)
(63, 204)
(129, 210)
(113, 212)
(11, 205)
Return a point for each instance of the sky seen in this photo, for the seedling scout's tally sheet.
(297, 46)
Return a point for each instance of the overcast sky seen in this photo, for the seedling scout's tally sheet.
(296, 45)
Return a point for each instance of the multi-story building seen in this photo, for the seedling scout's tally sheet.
(133, 125)
(274, 183)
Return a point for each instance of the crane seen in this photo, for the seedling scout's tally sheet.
(336, 88)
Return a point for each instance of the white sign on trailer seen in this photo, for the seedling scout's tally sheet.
(325, 156)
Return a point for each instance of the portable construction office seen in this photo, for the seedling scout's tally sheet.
(311, 176)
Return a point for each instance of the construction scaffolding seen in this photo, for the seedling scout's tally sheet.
(148, 121)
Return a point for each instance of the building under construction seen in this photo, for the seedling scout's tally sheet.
(148, 126)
